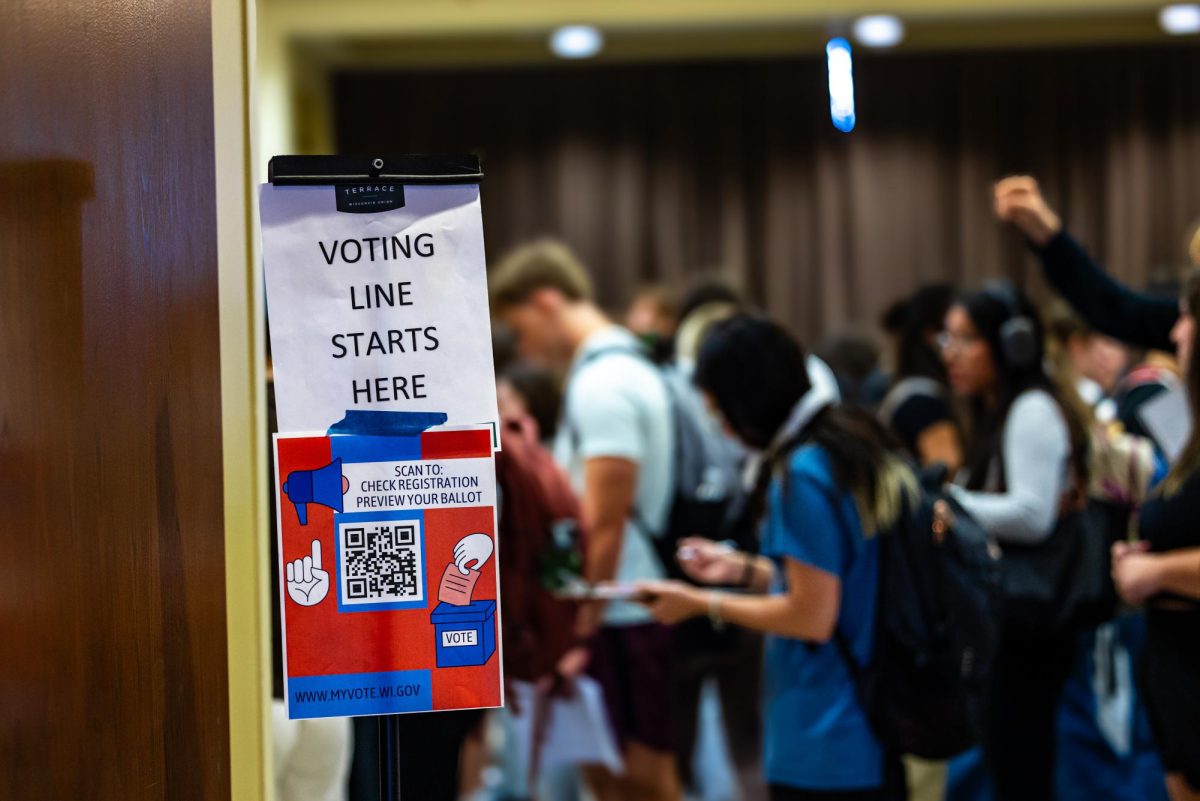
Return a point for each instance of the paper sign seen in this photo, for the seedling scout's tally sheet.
(369, 526)
(377, 304)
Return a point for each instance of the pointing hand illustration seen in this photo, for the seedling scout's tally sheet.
(307, 583)
(475, 548)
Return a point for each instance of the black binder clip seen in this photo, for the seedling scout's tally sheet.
(408, 169)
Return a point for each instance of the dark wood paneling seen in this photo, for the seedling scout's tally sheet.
(113, 657)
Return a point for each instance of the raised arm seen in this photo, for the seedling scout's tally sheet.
(1107, 305)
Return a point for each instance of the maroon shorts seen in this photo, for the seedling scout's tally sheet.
(632, 665)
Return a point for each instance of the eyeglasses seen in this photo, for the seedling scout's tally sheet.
(948, 341)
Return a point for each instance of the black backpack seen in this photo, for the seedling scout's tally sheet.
(705, 467)
(935, 631)
(924, 688)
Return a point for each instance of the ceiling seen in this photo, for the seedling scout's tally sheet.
(437, 32)
(300, 43)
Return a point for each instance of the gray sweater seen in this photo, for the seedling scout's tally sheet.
(1036, 451)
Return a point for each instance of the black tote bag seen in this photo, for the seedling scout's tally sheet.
(1065, 581)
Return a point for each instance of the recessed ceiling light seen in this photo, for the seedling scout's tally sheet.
(576, 41)
(1180, 18)
(878, 30)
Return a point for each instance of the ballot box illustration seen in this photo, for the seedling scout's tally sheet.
(465, 635)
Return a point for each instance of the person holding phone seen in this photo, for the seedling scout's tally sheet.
(828, 481)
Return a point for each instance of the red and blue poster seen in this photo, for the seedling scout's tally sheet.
(388, 572)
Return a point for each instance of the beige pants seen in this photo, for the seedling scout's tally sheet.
(312, 757)
(926, 780)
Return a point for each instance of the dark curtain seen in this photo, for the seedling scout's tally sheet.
(655, 173)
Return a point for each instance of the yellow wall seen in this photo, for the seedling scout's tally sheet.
(242, 409)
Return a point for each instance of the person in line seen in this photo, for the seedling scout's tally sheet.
(543, 550)
(830, 483)
(918, 408)
(1027, 451)
(1106, 750)
(730, 660)
(653, 317)
(1085, 359)
(616, 443)
(532, 395)
(854, 359)
(1162, 572)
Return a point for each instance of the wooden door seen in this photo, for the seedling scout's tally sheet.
(112, 600)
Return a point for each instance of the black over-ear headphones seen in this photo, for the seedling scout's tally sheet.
(1018, 335)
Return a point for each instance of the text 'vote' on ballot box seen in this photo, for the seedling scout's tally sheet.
(466, 635)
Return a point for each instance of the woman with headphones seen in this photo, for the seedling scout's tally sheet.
(1026, 452)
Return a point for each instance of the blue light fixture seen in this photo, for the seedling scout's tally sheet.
(841, 84)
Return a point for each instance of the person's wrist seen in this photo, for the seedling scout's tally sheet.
(1154, 573)
(747, 573)
(1044, 229)
(715, 597)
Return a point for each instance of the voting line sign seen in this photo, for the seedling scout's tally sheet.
(389, 590)
(377, 300)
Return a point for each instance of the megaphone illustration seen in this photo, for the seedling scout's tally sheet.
(324, 486)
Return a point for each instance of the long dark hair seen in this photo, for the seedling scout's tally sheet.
(912, 321)
(989, 310)
(756, 373)
(1189, 458)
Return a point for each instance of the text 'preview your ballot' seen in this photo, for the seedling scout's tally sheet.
(431, 484)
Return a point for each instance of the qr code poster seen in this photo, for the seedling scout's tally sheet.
(387, 573)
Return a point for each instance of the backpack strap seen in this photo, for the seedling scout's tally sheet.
(631, 349)
(902, 391)
(852, 667)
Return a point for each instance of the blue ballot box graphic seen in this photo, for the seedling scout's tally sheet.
(466, 635)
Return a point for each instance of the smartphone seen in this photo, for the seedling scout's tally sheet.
(609, 591)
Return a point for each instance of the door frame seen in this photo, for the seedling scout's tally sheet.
(243, 409)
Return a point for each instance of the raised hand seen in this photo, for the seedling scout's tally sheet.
(307, 583)
(1019, 201)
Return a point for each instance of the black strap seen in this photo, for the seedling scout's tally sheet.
(629, 349)
(852, 667)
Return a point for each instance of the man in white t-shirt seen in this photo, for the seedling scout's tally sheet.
(615, 441)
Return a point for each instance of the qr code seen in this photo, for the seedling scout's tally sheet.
(381, 562)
